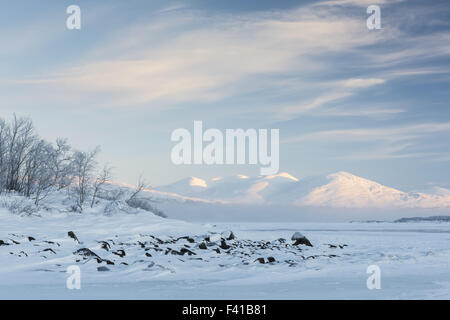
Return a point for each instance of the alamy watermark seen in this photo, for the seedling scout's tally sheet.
(374, 20)
(73, 281)
(374, 280)
(236, 146)
(73, 22)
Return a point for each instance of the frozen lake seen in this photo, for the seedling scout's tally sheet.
(414, 260)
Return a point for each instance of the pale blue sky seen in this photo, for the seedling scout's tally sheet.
(371, 102)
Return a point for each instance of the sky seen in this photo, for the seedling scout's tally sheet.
(374, 103)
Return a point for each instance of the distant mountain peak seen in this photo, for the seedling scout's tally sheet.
(197, 182)
(282, 175)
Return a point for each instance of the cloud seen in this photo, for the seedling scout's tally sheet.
(391, 134)
(336, 91)
(359, 3)
(205, 57)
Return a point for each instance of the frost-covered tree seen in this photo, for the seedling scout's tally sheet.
(103, 177)
(84, 164)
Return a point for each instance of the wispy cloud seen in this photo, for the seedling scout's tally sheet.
(391, 134)
(208, 57)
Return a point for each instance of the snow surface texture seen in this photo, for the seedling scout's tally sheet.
(338, 190)
(141, 257)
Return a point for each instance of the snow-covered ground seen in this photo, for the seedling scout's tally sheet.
(414, 259)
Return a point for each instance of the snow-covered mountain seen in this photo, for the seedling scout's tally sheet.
(338, 190)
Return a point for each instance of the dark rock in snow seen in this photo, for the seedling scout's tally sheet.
(271, 259)
(102, 269)
(228, 235)
(73, 236)
(3, 243)
(87, 253)
(120, 253)
(49, 250)
(189, 239)
(31, 239)
(224, 245)
(261, 260)
(300, 239)
(203, 246)
(105, 245)
(183, 251)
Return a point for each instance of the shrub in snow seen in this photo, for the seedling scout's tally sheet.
(144, 204)
(19, 205)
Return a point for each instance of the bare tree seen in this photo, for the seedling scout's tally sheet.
(3, 153)
(21, 139)
(84, 165)
(142, 185)
(104, 177)
(62, 163)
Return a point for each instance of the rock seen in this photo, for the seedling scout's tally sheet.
(224, 245)
(228, 235)
(102, 269)
(183, 251)
(73, 236)
(300, 239)
(53, 243)
(3, 243)
(105, 245)
(271, 259)
(203, 246)
(49, 250)
(120, 253)
(189, 239)
(31, 239)
(87, 253)
(148, 254)
(261, 260)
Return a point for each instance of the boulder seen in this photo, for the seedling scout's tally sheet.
(121, 253)
(228, 235)
(299, 238)
(73, 236)
(224, 245)
(102, 269)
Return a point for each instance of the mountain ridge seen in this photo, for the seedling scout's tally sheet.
(337, 190)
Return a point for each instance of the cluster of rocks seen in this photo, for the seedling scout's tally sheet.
(150, 249)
